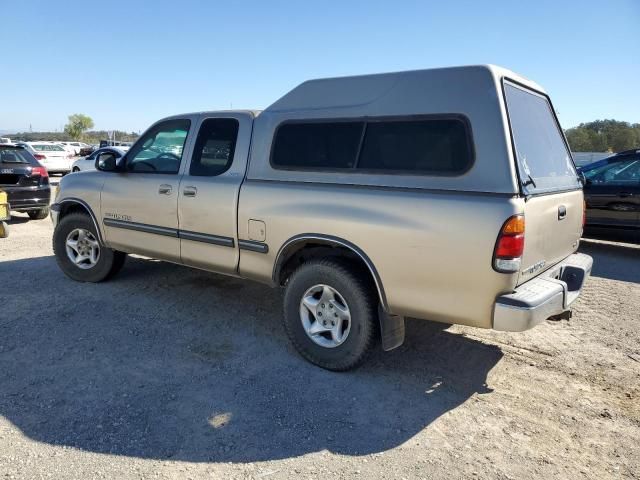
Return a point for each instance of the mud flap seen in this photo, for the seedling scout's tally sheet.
(391, 330)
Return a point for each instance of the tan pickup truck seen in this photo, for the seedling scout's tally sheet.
(446, 194)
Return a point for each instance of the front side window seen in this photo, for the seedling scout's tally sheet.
(160, 149)
(625, 172)
(216, 143)
(438, 145)
(544, 161)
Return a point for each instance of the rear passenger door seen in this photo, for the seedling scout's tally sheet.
(208, 196)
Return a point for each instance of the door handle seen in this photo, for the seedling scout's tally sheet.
(164, 189)
(190, 191)
(562, 212)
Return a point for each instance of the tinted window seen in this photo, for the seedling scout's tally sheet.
(216, 143)
(317, 145)
(429, 146)
(544, 162)
(623, 172)
(160, 149)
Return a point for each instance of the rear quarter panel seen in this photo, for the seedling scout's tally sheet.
(432, 250)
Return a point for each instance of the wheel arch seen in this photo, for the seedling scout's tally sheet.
(291, 249)
(70, 205)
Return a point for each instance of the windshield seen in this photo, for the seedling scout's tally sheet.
(544, 162)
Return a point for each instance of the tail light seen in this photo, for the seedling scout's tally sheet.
(39, 172)
(39, 156)
(509, 245)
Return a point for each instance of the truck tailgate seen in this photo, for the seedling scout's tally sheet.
(553, 229)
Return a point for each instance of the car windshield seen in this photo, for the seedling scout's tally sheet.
(544, 161)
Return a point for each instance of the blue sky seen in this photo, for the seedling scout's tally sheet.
(129, 63)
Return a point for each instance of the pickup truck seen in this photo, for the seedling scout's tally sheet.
(445, 194)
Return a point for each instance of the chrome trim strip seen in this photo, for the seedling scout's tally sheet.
(207, 238)
(253, 246)
(140, 227)
(170, 232)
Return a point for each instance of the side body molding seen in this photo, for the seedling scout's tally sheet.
(291, 246)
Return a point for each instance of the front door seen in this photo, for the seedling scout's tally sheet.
(208, 197)
(140, 201)
(612, 194)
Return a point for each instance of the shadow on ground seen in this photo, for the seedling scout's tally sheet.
(165, 362)
(613, 261)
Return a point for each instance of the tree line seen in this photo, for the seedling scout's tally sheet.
(604, 136)
(597, 136)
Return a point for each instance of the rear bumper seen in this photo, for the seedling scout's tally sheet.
(549, 294)
(28, 198)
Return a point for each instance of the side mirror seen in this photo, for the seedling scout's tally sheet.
(106, 162)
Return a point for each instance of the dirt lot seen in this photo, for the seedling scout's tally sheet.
(174, 373)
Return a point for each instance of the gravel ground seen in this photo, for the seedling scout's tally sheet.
(168, 372)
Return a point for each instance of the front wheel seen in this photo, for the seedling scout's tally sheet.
(79, 253)
(330, 314)
(38, 214)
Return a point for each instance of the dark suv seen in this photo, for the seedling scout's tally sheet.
(25, 181)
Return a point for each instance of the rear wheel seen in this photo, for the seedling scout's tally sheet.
(79, 253)
(39, 214)
(330, 314)
(75, 169)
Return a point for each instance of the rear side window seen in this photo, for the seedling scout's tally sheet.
(318, 146)
(544, 161)
(439, 147)
(431, 146)
(215, 146)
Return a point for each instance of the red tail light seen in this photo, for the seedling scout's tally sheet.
(39, 172)
(509, 245)
(39, 156)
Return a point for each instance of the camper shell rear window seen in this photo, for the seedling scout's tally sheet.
(543, 158)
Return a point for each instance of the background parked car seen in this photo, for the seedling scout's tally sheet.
(53, 157)
(612, 193)
(25, 181)
(88, 150)
(88, 162)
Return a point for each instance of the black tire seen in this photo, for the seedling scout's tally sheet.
(109, 262)
(38, 214)
(75, 169)
(354, 288)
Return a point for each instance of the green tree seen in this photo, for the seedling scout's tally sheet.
(77, 125)
(603, 136)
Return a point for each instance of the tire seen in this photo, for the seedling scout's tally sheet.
(75, 169)
(353, 291)
(109, 262)
(38, 214)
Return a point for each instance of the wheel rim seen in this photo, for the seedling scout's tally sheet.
(82, 248)
(325, 316)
